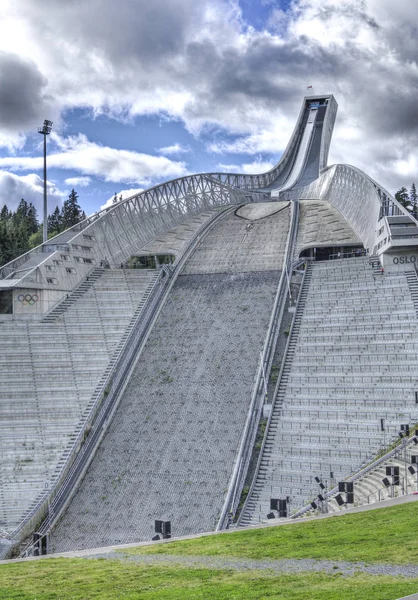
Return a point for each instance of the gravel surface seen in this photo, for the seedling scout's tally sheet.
(275, 566)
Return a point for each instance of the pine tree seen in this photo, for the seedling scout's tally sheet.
(6, 253)
(5, 248)
(36, 238)
(54, 222)
(32, 219)
(22, 224)
(4, 213)
(71, 211)
(21, 212)
(413, 197)
(402, 197)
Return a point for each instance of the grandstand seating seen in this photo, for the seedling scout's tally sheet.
(170, 449)
(370, 488)
(351, 361)
(48, 373)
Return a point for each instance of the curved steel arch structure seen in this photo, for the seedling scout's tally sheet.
(125, 227)
(384, 226)
(114, 234)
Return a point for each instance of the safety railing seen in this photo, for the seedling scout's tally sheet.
(352, 254)
(270, 417)
(360, 474)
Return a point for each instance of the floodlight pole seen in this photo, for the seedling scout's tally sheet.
(45, 235)
(45, 130)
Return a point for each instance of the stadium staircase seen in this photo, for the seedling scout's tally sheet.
(72, 298)
(412, 279)
(351, 362)
(268, 443)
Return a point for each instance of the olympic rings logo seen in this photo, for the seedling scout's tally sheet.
(26, 299)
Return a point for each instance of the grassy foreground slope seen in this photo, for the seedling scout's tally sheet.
(79, 579)
(385, 537)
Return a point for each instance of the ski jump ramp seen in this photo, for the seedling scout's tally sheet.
(172, 394)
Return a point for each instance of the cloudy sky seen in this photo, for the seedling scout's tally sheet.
(144, 91)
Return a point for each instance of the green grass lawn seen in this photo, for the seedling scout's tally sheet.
(82, 579)
(382, 536)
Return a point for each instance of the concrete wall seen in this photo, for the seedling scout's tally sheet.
(400, 260)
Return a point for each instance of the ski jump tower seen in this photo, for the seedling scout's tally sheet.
(111, 236)
(60, 398)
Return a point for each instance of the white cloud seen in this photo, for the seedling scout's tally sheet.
(30, 187)
(78, 181)
(256, 167)
(79, 154)
(125, 195)
(12, 141)
(265, 141)
(408, 167)
(201, 64)
(174, 149)
(228, 168)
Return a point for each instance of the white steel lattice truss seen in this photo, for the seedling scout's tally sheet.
(359, 199)
(124, 228)
(127, 226)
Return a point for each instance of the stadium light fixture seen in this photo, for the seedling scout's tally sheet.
(45, 130)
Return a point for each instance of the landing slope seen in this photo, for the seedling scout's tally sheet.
(170, 450)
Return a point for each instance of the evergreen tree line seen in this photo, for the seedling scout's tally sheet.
(408, 200)
(21, 230)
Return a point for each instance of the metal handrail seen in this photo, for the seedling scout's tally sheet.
(54, 500)
(361, 501)
(254, 411)
(301, 261)
(358, 475)
(270, 417)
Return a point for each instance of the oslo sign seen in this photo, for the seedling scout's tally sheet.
(405, 260)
